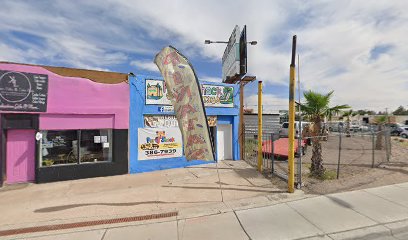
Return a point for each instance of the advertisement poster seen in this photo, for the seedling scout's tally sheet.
(185, 95)
(156, 92)
(217, 96)
(157, 143)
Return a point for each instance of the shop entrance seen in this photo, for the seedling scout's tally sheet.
(224, 141)
(20, 163)
(213, 133)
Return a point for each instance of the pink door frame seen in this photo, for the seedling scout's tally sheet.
(20, 156)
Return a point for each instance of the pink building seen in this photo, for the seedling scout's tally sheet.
(61, 123)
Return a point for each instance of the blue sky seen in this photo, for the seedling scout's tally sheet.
(354, 48)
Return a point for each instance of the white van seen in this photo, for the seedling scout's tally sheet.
(284, 130)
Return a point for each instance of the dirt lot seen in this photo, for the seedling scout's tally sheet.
(356, 170)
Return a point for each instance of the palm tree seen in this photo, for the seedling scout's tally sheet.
(317, 108)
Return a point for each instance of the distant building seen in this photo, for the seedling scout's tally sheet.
(270, 123)
(403, 119)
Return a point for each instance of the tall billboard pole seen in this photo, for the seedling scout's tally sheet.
(234, 69)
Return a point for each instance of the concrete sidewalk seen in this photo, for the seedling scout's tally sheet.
(232, 201)
(377, 213)
(193, 191)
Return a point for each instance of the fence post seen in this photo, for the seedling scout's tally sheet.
(243, 137)
(385, 143)
(338, 161)
(264, 140)
(373, 147)
(260, 127)
(389, 138)
(300, 152)
(273, 155)
(388, 143)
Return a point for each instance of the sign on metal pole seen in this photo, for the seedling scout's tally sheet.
(234, 60)
(243, 52)
(230, 59)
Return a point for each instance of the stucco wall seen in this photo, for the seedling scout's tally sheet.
(138, 109)
(71, 99)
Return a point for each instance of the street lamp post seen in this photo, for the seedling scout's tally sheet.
(209, 42)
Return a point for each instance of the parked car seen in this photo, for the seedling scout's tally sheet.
(284, 130)
(335, 126)
(397, 131)
(404, 133)
(354, 127)
(364, 128)
(395, 128)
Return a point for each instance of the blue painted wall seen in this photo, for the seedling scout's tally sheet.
(138, 108)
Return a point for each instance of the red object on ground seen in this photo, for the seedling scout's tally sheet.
(280, 147)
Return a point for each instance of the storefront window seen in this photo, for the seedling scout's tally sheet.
(75, 147)
(95, 146)
(59, 147)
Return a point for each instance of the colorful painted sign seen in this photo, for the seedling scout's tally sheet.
(217, 96)
(23, 92)
(156, 121)
(185, 95)
(157, 143)
(213, 95)
(156, 92)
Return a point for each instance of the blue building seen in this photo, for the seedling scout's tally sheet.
(152, 117)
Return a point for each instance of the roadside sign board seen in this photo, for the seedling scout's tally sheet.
(217, 95)
(243, 52)
(231, 57)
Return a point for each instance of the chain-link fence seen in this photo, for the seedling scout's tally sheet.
(350, 152)
(274, 152)
(343, 152)
(251, 149)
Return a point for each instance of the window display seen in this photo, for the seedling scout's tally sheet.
(58, 147)
(95, 146)
(75, 147)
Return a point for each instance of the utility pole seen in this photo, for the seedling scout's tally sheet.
(300, 148)
(291, 137)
